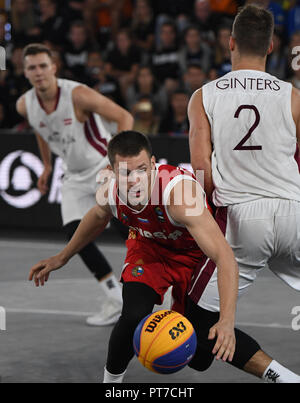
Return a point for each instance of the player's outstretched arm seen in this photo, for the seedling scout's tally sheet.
(206, 232)
(200, 141)
(88, 100)
(92, 224)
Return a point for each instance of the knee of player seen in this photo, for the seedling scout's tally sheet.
(201, 362)
(131, 318)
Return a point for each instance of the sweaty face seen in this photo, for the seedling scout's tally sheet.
(134, 177)
(40, 71)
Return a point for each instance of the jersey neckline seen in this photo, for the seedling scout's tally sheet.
(56, 101)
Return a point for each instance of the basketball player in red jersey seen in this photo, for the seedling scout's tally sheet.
(170, 230)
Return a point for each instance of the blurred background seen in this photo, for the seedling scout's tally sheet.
(147, 55)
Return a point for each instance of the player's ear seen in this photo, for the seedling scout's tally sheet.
(271, 47)
(232, 43)
(25, 70)
(153, 161)
(54, 67)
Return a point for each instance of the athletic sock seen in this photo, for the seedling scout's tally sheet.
(111, 287)
(111, 378)
(276, 373)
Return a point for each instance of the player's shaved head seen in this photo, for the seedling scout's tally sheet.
(128, 144)
(253, 30)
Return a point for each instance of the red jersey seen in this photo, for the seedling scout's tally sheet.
(154, 223)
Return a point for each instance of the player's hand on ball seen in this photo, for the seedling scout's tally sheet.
(225, 345)
(40, 272)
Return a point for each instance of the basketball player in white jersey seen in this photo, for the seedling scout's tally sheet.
(244, 132)
(76, 123)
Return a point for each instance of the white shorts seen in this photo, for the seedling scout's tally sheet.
(78, 194)
(264, 232)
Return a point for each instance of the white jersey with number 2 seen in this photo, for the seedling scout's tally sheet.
(254, 138)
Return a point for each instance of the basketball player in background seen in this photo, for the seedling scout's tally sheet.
(75, 123)
(244, 132)
(170, 231)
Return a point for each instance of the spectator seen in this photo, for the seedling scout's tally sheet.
(277, 60)
(195, 50)
(146, 85)
(176, 123)
(3, 20)
(51, 25)
(123, 60)
(143, 25)
(97, 78)
(194, 78)
(76, 50)
(98, 20)
(4, 121)
(145, 120)
(222, 52)
(172, 8)
(4, 88)
(73, 9)
(178, 11)
(293, 20)
(228, 7)
(205, 20)
(23, 20)
(105, 17)
(277, 10)
(165, 58)
(213, 74)
(16, 84)
(57, 60)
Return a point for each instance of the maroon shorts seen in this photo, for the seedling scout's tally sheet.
(159, 268)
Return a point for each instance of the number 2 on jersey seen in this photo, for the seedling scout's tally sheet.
(241, 145)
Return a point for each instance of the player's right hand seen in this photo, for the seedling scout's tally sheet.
(40, 272)
(42, 183)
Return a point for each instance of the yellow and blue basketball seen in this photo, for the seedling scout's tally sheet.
(164, 342)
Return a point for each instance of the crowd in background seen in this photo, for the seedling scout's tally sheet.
(147, 55)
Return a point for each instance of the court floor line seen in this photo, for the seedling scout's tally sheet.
(82, 314)
(37, 245)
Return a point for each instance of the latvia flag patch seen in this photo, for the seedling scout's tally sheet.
(68, 121)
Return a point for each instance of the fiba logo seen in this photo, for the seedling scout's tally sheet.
(19, 171)
(2, 318)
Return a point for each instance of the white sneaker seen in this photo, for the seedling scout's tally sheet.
(109, 314)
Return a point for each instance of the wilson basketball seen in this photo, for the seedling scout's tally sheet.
(164, 342)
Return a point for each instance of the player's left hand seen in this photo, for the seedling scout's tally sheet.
(225, 345)
(40, 272)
